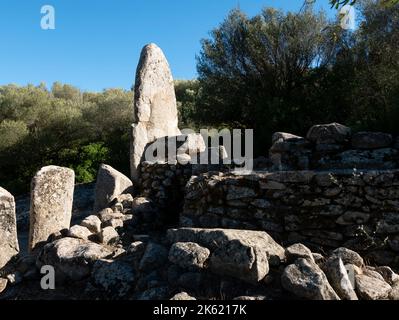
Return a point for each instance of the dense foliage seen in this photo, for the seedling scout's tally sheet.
(285, 72)
(61, 126)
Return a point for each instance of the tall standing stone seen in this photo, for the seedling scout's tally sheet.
(8, 228)
(155, 107)
(51, 203)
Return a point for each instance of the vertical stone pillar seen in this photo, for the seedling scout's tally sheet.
(110, 184)
(51, 203)
(155, 106)
(8, 228)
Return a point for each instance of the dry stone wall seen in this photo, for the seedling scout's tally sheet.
(164, 183)
(354, 209)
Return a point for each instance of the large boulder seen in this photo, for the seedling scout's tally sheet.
(242, 254)
(371, 140)
(372, 288)
(72, 258)
(306, 280)
(115, 277)
(8, 228)
(188, 255)
(155, 107)
(51, 203)
(110, 184)
(333, 133)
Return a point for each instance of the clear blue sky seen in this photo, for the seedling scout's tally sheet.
(97, 43)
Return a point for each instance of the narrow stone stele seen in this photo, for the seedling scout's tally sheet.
(110, 184)
(8, 228)
(51, 203)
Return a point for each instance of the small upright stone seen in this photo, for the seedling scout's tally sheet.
(8, 228)
(155, 106)
(51, 203)
(110, 184)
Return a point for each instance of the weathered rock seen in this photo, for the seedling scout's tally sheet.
(142, 206)
(110, 184)
(388, 274)
(93, 223)
(297, 251)
(3, 284)
(319, 259)
(283, 136)
(329, 133)
(182, 296)
(8, 228)
(154, 257)
(51, 203)
(173, 147)
(394, 293)
(155, 107)
(250, 298)
(370, 272)
(109, 235)
(114, 223)
(188, 255)
(369, 288)
(348, 257)
(371, 140)
(115, 277)
(339, 279)
(72, 257)
(242, 254)
(306, 280)
(79, 232)
(236, 193)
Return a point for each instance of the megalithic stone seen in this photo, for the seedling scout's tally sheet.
(155, 107)
(51, 203)
(8, 228)
(110, 184)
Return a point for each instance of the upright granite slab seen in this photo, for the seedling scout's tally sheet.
(155, 107)
(51, 203)
(8, 228)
